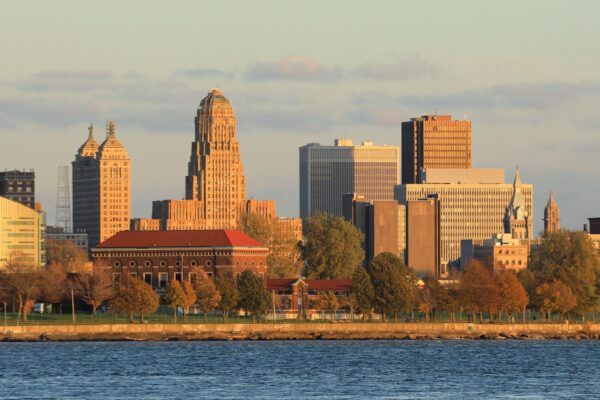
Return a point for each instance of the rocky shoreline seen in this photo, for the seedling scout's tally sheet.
(301, 331)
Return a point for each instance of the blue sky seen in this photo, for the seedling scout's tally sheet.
(526, 73)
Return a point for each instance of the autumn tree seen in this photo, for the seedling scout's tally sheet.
(392, 283)
(229, 295)
(571, 258)
(134, 295)
(283, 260)
(362, 291)
(478, 290)
(67, 254)
(208, 297)
(95, 288)
(174, 297)
(23, 283)
(331, 248)
(253, 295)
(328, 301)
(512, 296)
(52, 284)
(189, 299)
(557, 297)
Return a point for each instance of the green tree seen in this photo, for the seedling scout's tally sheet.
(571, 258)
(392, 282)
(331, 248)
(208, 297)
(229, 295)
(174, 297)
(253, 295)
(478, 290)
(133, 295)
(362, 291)
(283, 260)
(512, 296)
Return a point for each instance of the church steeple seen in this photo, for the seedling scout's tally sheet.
(516, 218)
(551, 215)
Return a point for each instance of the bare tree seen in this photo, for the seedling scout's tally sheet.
(22, 282)
(94, 289)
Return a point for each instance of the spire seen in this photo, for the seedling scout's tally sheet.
(91, 131)
(90, 146)
(110, 128)
(517, 181)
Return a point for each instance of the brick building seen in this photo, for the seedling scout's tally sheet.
(160, 256)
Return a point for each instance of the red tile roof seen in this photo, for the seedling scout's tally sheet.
(198, 238)
(316, 284)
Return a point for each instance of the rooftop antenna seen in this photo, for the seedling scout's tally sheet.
(63, 200)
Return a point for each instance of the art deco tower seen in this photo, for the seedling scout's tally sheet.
(551, 215)
(215, 175)
(101, 187)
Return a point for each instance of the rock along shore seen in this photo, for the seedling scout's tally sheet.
(300, 331)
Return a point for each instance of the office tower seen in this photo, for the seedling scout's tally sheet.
(434, 141)
(18, 186)
(551, 215)
(383, 222)
(21, 235)
(423, 236)
(329, 172)
(473, 210)
(101, 187)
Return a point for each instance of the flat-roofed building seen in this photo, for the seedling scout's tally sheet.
(18, 186)
(475, 211)
(383, 222)
(329, 172)
(463, 176)
(58, 233)
(500, 252)
(434, 141)
(22, 235)
(423, 237)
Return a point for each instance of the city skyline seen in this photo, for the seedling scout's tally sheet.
(525, 90)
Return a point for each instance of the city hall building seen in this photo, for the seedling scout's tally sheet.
(160, 256)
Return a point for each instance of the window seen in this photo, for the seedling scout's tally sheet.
(163, 263)
(117, 264)
(178, 277)
(147, 263)
(193, 263)
(178, 263)
(148, 278)
(209, 263)
(132, 263)
(163, 278)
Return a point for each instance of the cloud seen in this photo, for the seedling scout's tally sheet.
(203, 73)
(381, 116)
(534, 96)
(56, 114)
(410, 68)
(83, 75)
(285, 120)
(294, 68)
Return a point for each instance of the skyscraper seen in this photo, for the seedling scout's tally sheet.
(551, 215)
(434, 141)
(101, 187)
(18, 186)
(329, 172)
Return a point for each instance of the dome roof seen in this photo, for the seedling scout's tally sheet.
(90, 146)
(215, 101)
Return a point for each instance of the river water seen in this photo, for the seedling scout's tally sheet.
(301, 370)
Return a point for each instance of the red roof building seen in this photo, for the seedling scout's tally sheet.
(160, 256)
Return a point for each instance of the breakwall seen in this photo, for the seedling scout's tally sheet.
(300, 331)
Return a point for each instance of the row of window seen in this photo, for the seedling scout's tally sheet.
(162, 263)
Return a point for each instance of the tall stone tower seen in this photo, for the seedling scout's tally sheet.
(101, 187)
(551, 215)
(517, 218)
(215, 174)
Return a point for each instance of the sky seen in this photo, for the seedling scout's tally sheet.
(526, 73)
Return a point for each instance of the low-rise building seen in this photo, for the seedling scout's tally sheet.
(297, 298)
(22, 234)
(160, 256)
(58, 233)
(499, 252)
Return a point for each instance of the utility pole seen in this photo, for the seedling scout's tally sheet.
(72, 305)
